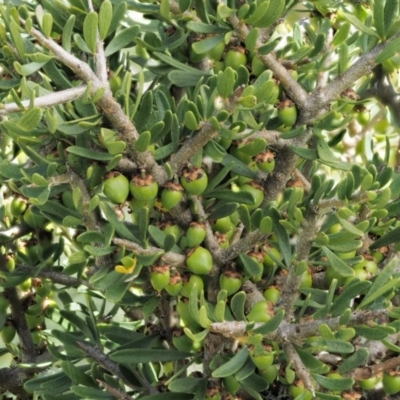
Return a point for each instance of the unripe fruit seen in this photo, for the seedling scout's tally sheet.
(25, 285)
(306, 280)
(235, 151)
(169, 228)
(331, 274)
(370, 383)
(231, 281)
(195, 234)
(3, 304)
(287, 112)
(260, 312)
(159, 277)
(18, 206)
(116, 188)
(194, 180)
(143, 187)
(34, 321)
(67, 200)
(391, 382)
(223, 238)
(257, 66)
(235, 58)
(265, 161)
(49, 306)
(222, 225)
(171, 195)
(363, 116)
(10, 262)
(8, 332)
(35, 221)
(188, 283)
(174, 285)
(262, 358)
(270, 373)
(272, 294)
(199, 261)
(298, 389)
(256, 191)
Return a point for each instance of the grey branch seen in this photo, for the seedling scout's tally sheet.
(47, 100)
(295, 332)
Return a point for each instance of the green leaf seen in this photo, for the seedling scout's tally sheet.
(275, 9)
(377, 332)
(391, 12)
(184, 78)
(358, 24)
(105, 12)
(77, 376)
(336, 385)
(251, 267)
(311, 362)
(205, 45)
(186, 385)
(268, 47)
(358, 358)
(237, 305)
(91, 393)
(31, 119)
(238, 197)
(233, 365)
(28, 69)
(337, 264)
(134, 356)
(200, 27)
(121, 40)
(378, 11)
(350, 292)
(90, 25)
(168, 396)
(391, 49)
(272, 324)
(89, 153)
(391, 237)
(282, 236)
(338, 346)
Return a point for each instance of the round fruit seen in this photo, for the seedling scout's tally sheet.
(265, 161)
(171, 195)
(199, 261)
(194, 180)
(235, 151)
(10, 262)
(231, 281)
(298, 389)
(116, 188)
(272, 294)
(25, 285)
(270, 254)
(256, 191)
(195, 234)
(8, 332)
(262, 359)
(306, 280)
(3, 304)
(223, 238)
(222, 225)
(287, 112)
(363, 116)
(18, 206)
(188, 283)
(235, 58)
(331, 274)
(257, 66)
(169, 228)
(370, 383)
(174, 286)
(270, 373)
(143, 187)
(35, 221)
(391, 383)
(260, 312)
(368, 264)
(159, 277)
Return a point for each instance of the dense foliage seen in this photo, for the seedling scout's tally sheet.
(199, 199)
